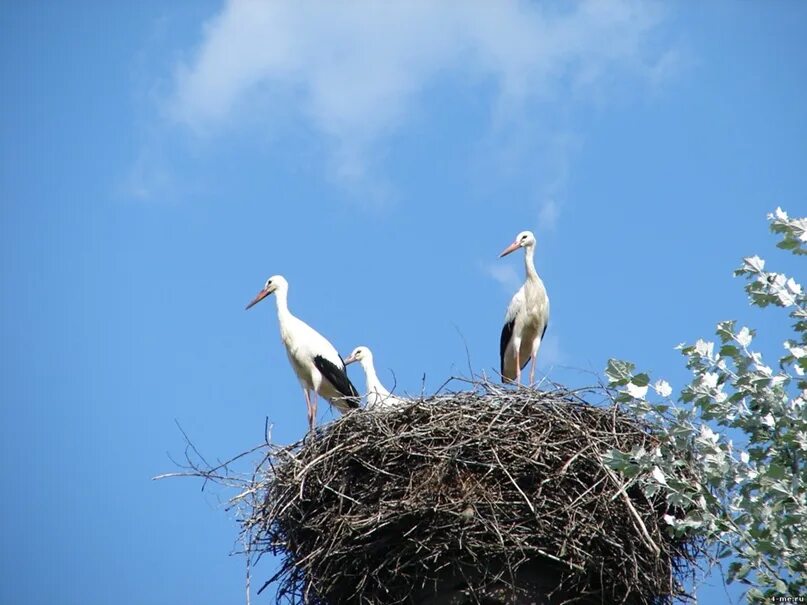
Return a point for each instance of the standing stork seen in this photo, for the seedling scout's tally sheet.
(527, 316)
(377, 396)
(316, 362)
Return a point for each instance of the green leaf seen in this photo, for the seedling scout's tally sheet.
(733, 570)
(767, 547)
(619, 372)
(641, 380)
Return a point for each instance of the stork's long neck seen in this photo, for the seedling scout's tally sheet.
(283, 313)
(529, 264)
(373, 383)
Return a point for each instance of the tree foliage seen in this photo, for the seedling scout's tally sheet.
(748, 498)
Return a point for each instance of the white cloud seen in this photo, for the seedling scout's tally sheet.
(505, 274)
(354, 70)
(550, 353)
(548, 214)
(560, 150)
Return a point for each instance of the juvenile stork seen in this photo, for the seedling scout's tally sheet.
(316, 362)
(377, 396)
(527, 316)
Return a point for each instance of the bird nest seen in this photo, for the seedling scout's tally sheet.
(493, 495)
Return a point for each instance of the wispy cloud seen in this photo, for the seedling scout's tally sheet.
(550, 353)
(549, 213)
(506, 275)
(354, 70)
(561, 148)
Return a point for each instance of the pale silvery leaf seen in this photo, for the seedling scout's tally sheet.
(659, 476)
(744, 337)
(636, 391)
(793, 286)
(669, 520)
(768, 420)
(709, 379)
(704, 348)
(720, 397)
(786, 298)
(797, 352)
(763, 369)
(754, 263)
(663, 388)
(745, 457)
(780, 214)
(709, 434)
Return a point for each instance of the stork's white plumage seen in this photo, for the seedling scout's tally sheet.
(527, 316)
(378, 397)
(316, 362)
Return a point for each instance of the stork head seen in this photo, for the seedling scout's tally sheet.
(360, 354)
(273, 284)
(524, 239)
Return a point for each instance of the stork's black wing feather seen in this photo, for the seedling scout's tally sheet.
(338, 378)
(507, 334)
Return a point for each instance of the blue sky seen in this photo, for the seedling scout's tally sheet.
(160, 160)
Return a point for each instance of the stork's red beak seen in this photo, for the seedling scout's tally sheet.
(350, 360)
(511, 248)
(261, 295)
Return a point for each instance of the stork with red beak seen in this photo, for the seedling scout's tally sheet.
(527, 316)
(316, 362)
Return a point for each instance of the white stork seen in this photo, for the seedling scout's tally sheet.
(316, 362)
(527, 316)
(377, 396)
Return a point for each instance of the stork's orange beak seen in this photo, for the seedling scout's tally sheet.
(261, 295)
(511, 248)
(350, 360)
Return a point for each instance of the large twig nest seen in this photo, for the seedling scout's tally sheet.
(494, 495)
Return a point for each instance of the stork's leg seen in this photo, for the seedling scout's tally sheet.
(518, 365)
(308, 410)
(516, 344)
(535, 346)
(314, 403)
